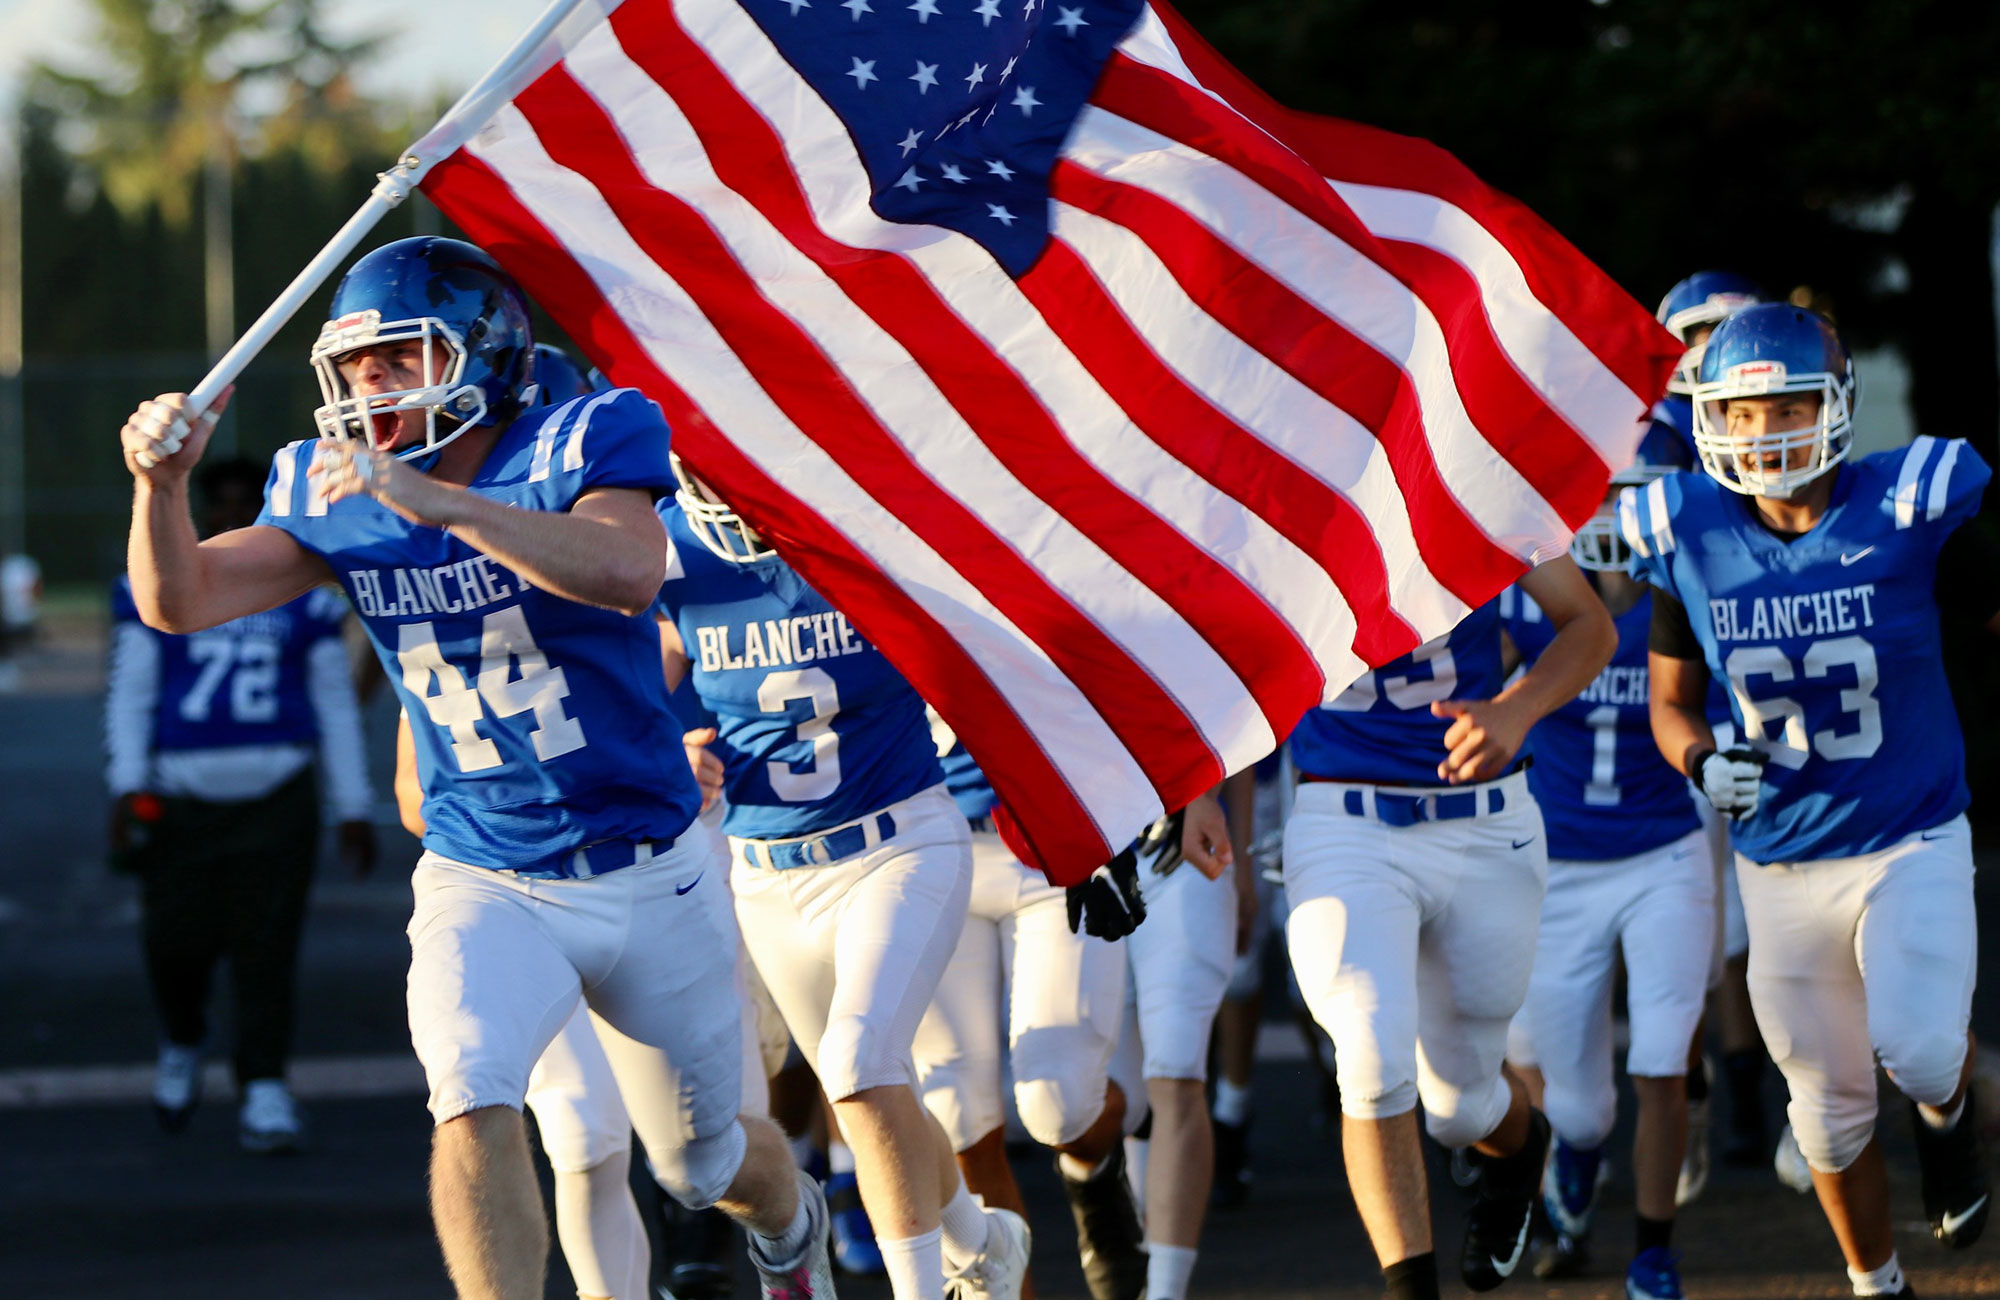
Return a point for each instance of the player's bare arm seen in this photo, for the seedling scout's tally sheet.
(607, 551)
(179, 582)
(1486, 734)
(1678, 703)
(409, 793)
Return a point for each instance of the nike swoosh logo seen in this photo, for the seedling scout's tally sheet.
(1846, 559)
(1506, 1268)
(1951, 1223)
(682, 889)
(1522, 844)
(1928, 836)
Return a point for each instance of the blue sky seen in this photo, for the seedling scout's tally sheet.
(444, 44)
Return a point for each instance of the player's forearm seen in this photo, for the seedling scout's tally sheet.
(578, 558)
(1580, 650)
(1681, 732)
(163, 558)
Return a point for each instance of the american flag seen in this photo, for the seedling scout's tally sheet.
(1130, 414)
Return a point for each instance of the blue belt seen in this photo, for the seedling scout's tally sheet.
(1440, 806)
(819, 850)
(601, 859)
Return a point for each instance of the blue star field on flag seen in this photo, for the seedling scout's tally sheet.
(959, 108)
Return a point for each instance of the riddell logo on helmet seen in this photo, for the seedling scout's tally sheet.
(1764, 375)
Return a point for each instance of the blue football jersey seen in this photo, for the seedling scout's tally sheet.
(1828, 643)
(541, 724)
(1604, 790)
(1381, 728)
(243, 683)
(816, 728)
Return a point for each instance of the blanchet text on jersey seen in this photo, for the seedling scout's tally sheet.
(445, 589)
(778, 641)
(1819, 613)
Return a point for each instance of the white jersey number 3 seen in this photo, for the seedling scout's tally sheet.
(514, 678)
(816, 687)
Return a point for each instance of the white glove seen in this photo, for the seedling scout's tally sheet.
(1731, 780)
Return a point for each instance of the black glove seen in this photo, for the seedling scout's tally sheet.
(1108, 905)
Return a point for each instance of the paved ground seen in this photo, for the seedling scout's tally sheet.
(95, 1202)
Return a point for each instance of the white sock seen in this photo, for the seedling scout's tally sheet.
(1136, 1152)
(1937, 1119)
(1168, 1269)
(1077, 1171)
(788, 1245)
(1886, 1280)
(1232, 1102)
(839, 1157)
(915, 1266)
(963, 1225)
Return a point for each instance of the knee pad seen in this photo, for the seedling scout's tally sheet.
(1384, 1103)
(853, 1058)
(1925, 1066)
(1459, 1119)
(1582, 1121)
(699, 1173)
(1056, 1110)
(1831, 1139)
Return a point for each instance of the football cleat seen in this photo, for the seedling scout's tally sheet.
(1232, 1165)
(1575, 1177)
(694, 1252)
(810, 1275)
(1654, 1275)
(1109, 1238)
(1789, 1163)
(176, 1085)
(1496, 1227)
(1000, 1270)
(1956, 1195)
(1562, 1255)
(269, 1122)
(854, 1248)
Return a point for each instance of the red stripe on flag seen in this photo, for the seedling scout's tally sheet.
(1063, 834)
(1318, 519)
(1621, 333)
(818, 398)
(1322, 355)
(1543, 446)
(1262, 649)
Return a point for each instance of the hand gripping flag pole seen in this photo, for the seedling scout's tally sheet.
(534, 50)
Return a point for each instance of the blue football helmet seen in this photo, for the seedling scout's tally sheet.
(1764, 351)
(1702, 299)
(557, 379)
(471, 319)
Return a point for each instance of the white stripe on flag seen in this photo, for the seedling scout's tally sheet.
(1298, 423)
(1349, 289)
(1568, 376)
(1090, 758)
(908, 405)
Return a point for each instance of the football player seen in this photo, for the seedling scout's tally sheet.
(1630, 875)
(1414, 863)
(1810, 585)
(851, 866)
(502, 558)
(1056, 997)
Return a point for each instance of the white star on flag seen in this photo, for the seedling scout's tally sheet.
(977, 75)
(925, 76)
(953, 174)
(1000, 214)
(909, 142)
(1024, 99)
(1008, 71)
(909, 181)
(924, 9)
(1000, 169)
(858, 8)
(988, 10)
(798, 5)
(1070, 19)
(863, 73)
